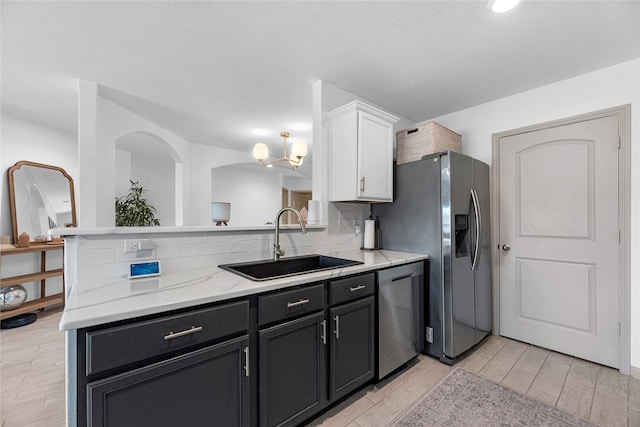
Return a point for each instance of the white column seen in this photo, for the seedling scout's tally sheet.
(86, 184)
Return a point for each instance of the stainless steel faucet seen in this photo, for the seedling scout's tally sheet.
(277, 251)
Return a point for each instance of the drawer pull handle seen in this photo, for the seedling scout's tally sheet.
(297, 303)
(246, 361)
(357, 288)
(337, 331)
(191, 330)
(324, 331)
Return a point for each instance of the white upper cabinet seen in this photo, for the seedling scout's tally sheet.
(361, 153)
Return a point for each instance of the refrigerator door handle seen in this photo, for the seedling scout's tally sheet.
(478, 219)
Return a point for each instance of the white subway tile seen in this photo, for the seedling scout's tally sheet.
(187, 249)
(179, 238)
(101, 271)
(129, 257)
(248, 245)
(184, 262)
(97, 256)
(167, 251)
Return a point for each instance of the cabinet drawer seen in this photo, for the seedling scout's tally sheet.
(351, 288)
(288, 304)
(118, 346)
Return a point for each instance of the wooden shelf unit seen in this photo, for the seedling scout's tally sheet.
(42, 275)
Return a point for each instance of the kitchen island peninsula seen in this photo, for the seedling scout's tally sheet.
(205, 346)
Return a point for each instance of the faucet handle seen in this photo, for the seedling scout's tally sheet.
(277, 251)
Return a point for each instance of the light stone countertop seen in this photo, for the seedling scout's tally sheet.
(104, 301)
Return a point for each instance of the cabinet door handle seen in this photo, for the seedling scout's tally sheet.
(297, 303)
(191, 330)
(357, 288)
(324, 332)
(337, 331)
(362, 184)
(246, 361)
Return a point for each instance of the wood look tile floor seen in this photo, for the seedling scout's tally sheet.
(32, 384)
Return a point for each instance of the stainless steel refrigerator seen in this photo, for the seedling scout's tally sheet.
(441, 208)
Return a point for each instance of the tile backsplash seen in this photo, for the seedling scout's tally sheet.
(102, 256)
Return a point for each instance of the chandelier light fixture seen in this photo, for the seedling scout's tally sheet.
(298, 151)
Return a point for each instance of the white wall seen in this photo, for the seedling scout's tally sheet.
(297, 184)
(156, 175)
(23, 139)
(123, 172)
(255, 195)
(606, 88)
(143, 158)
(205, 158)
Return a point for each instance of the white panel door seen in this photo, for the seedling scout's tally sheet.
(559, 239)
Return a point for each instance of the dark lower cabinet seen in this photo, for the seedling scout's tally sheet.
(351, 350)
(292, 371)
(206, 387)
(311, 346)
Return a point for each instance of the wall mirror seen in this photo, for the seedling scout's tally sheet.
(41, 197)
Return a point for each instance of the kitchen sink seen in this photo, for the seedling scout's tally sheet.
(284, 267)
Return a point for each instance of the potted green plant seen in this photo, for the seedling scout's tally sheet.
(134, 210)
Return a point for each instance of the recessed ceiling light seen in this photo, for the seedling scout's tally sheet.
(260, 132)
(499, 6)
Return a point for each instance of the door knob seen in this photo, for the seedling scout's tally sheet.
(506, 247)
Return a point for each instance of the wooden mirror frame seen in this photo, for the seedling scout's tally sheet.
(12, 194)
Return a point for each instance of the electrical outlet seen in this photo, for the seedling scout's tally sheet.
(138, 245)
(356, 226)
(131, 246)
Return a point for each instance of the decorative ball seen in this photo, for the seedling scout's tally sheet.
(12, 297)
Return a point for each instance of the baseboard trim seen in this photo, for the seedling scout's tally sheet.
(635, 372)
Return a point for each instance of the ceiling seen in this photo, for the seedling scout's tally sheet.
(211, 71)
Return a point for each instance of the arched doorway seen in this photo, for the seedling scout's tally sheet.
(149, 160)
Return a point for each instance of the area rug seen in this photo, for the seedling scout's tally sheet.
(465, 399)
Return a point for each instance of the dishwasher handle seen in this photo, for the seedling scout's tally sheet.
(395, 279)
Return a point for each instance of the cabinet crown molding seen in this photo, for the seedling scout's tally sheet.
(361, 106)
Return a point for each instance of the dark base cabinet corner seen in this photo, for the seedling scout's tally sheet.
(185, 368)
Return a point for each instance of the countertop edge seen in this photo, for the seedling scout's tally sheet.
(100, 231)
(82, 316)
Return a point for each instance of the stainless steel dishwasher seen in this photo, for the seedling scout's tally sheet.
(400, 316)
